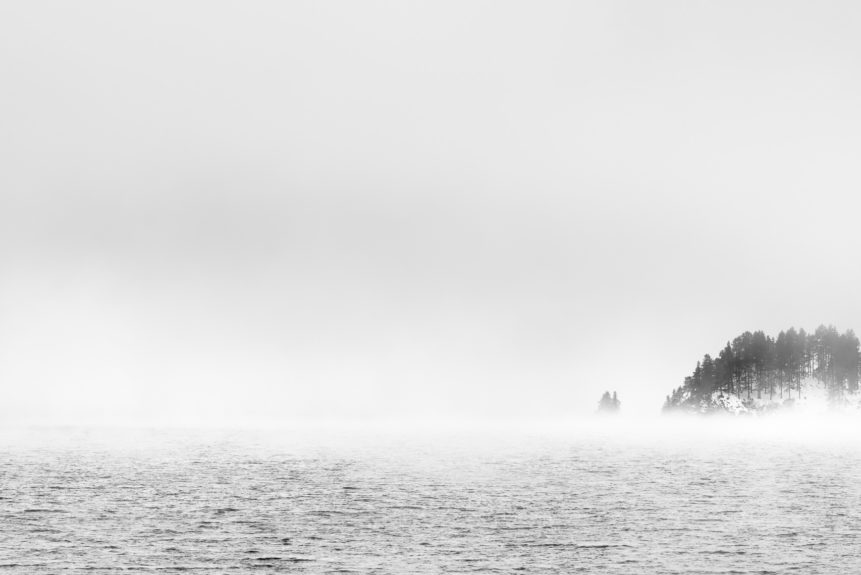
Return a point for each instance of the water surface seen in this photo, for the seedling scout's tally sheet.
(315, 501)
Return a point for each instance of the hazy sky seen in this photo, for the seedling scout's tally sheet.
(212, 211)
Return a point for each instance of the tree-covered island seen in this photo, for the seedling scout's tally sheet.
(609, 403)
(757, 372)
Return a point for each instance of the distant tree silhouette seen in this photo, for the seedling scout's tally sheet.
(757, 365)
(608, 403)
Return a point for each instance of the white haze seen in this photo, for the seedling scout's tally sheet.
(216, 212)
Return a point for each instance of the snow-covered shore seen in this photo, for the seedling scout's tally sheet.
(814, 400)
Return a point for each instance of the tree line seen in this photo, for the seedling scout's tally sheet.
(761, 366)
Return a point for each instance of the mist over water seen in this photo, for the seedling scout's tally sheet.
(336, 287)
(210, 213)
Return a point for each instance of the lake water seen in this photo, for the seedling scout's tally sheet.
(462, 501)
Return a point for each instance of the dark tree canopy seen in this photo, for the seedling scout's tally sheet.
(755, 365)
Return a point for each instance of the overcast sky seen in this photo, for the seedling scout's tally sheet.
(222, 211)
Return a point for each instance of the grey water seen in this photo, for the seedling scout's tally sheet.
(385, 501)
